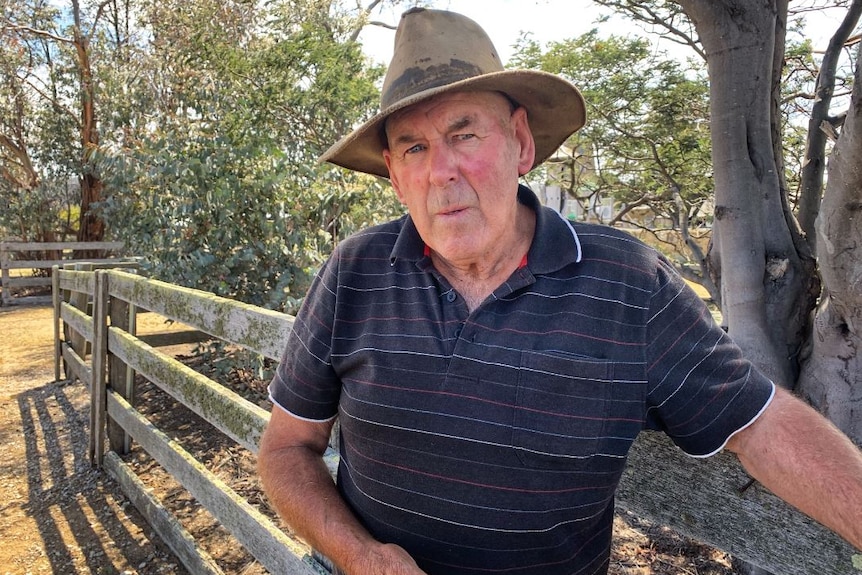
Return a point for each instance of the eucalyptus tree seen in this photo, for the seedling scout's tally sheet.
(54, 42)
(212, 163)
(39, 147)
(760, 256)
(831, 377)
(768, 278)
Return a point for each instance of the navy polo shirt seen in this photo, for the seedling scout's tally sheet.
(493, 441)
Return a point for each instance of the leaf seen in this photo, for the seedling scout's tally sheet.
(857, 562)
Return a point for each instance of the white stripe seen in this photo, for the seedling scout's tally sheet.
(753, 419)
(460, 437)
(470, 525)
(290, 413)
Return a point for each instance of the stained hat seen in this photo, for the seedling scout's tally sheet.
(438, 51)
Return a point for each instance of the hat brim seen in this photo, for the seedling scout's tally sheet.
(555, 110)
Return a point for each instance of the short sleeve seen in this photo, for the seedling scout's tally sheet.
(701, 388)
(305, 383)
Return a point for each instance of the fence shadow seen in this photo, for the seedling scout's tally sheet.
(85, 523)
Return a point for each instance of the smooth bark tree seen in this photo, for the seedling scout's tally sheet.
(768, 277)
(832, 377)
(822, 126)
(766, 274)
(91, 227)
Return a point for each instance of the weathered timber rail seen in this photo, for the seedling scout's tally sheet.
(117, 352)
(711, 500)
(44, 256)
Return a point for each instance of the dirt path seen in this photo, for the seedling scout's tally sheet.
(57, 513)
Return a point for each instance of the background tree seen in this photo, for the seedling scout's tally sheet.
(57, 44)
(217, 181)
(766, 268)
(35, 136)
(831, 378)
(822, 125)
(646, 144)
(760, 257)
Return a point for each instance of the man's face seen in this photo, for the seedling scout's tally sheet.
(454, 161)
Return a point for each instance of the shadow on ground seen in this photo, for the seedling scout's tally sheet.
(85, 523)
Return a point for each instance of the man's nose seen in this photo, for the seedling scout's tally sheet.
(443, 165)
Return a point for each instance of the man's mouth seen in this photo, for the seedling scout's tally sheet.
(452, 211)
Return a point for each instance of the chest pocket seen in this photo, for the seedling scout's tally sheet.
(562, 409)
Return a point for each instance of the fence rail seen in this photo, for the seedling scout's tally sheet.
(118, 353)
(22, 256)
(701, 499)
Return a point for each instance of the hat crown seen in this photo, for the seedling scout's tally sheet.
(435, 48)
(437, 52)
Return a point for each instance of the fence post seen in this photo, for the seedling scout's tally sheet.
(4, 264)
(55, 301)
(81, 301)
(119, 379)
(98, 391)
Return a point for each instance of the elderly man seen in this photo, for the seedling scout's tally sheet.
(490, 363)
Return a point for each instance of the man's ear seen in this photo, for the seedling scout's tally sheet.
(524, 136)
(387, 157)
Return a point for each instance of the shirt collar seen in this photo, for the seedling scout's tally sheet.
(555, 242)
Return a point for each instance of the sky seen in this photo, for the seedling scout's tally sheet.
(503, 20)
(546, 20)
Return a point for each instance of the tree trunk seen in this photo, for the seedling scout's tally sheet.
(25, 176)
(91, 227)
(765, 283)
(811, 186)
(832, 378)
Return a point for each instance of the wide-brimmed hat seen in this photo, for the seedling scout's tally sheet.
(438, 51)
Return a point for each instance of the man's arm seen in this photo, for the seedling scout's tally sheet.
(804, 459)
(298, 485)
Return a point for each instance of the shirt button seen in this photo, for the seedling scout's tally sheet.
(451, 296)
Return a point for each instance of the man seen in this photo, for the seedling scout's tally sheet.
(490, 363)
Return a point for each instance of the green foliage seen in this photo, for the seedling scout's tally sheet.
(646, 144)
(40, 152)
(38, 214)
(217, 182)
(205, 213)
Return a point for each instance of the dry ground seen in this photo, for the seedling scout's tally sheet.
(59, 515)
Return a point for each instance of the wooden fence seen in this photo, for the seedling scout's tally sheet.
(709, 500)
(44, 256)
(117, 352)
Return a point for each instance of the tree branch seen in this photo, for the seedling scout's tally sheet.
(641, 11)
(40, 33)
(814, 166)
(53, 101)
(99, 11)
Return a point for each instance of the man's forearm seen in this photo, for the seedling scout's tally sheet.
(299, 487)
(801, 457)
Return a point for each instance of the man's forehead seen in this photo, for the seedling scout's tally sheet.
(454, 104)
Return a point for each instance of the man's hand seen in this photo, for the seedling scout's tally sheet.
(385, 560)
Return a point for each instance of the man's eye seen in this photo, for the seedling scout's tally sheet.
(464, 137)
(414, 149)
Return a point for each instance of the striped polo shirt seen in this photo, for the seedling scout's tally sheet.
(493, 441)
